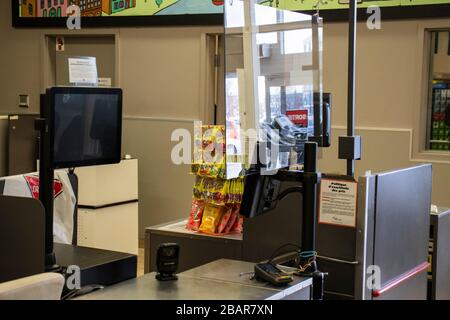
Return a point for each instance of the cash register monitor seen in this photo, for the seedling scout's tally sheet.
(86, 126)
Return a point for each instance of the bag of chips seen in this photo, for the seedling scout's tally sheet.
(195, 216)
(212, 215)
(238, 224)
(225, 218)
(234, 215)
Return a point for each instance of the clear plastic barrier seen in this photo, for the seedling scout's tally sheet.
(273, 68)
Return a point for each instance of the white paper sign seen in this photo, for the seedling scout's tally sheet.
(338, 202)
(83, 70)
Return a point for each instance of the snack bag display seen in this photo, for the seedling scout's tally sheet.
(195, 217)
(216, 200)
(212, 215)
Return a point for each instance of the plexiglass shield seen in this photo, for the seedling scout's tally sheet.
(273, 75)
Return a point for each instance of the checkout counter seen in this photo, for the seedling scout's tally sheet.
(230, 280)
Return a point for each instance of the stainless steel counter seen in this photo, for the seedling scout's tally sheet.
(218, 280)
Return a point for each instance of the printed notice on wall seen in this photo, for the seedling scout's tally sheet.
(83, 71)
(338, 202)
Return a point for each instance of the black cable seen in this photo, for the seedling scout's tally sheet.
(273, 256)
(284, 194)
(288, 191)
(70, 294)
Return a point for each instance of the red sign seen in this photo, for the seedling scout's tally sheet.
(33, 184)
(298, 117)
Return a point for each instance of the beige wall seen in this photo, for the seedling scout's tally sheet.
(385, 98)
(160, 70)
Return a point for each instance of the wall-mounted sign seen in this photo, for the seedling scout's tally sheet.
(83, 70)
(337, 202)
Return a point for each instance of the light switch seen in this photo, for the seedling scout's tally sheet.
(24, 100)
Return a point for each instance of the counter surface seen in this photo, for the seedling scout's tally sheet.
(219, 280)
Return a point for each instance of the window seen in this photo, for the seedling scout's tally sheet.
(438, 112)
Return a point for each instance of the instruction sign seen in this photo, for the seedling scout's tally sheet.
(337, 204)
(83, 70)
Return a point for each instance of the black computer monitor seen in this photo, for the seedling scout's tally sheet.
(85, 126)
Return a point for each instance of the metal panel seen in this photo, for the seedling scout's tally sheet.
(345, 279)
(265, 233)
(22, 144)
(402, 224)
(340, 279)
(413, 289)
(22, 226)
(441, 257)
(364, 236)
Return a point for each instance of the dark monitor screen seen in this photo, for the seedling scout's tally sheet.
(86, 126)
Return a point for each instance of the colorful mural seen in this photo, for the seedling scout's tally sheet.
(93, 8)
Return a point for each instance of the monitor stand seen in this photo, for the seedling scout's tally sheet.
(310, 178)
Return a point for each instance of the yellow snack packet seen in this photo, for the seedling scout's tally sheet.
(212, 215)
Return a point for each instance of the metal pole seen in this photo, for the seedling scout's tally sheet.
(46, 184)
(309, 197)
(216, 76)
(351, 79)
(317, 80)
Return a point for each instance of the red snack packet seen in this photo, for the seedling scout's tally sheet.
(238, 224)
(195, 216)
(233, 217)
(224, 221)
